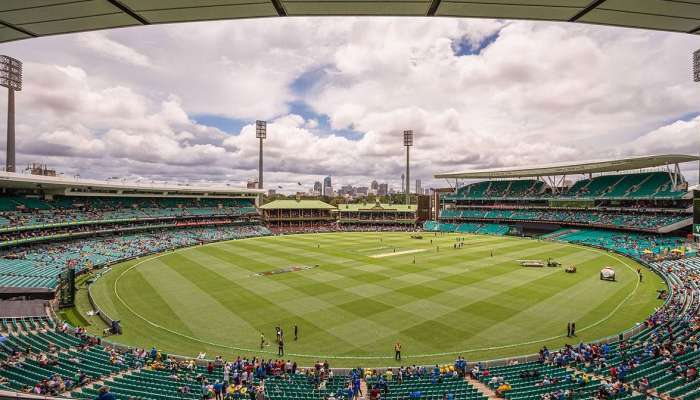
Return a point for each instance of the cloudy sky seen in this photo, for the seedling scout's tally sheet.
(178, 102)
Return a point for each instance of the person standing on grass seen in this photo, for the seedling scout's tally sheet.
(280, 348)
(573, 328)
(262, 340)
(568, 329)
(397, 351)
(296, 332)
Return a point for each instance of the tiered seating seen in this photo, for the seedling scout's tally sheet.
(548, 379)
(499, 189)
(486, 229)
(38, 356)
(153, 384)
(648, 221)
(621, 186)
(27, 212)
(632, 244)
(429, 386)
(40, 265)
(301, 387)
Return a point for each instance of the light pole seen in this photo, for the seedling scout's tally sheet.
(11, 78)
(696, 78)
(408, 142)
(260, 133)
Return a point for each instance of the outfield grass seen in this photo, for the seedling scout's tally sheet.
(362, 297)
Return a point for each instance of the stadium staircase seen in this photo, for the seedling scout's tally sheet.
(485, 389)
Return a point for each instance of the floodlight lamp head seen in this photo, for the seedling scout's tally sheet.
(696, 66)
(261, 129)
(10, 73)
(408, 138)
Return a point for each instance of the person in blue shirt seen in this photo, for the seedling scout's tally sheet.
(218, 389)
(105, 394)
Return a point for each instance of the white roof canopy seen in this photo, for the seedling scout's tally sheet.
(23, 19)
(573, 168)
(65, 184)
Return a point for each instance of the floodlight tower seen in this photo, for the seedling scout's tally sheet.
(260, 133)
(696, 78)
(11, 78)
(408, 142)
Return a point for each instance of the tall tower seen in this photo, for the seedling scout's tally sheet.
(11, 78)
(408, 142)
(327, 186)
(260, 133)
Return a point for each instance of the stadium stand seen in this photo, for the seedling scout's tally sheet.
(23, 212)
(424, 383)
(630, 219)
(658, 185)
(486, 229)
(636, 245)
(40, 265)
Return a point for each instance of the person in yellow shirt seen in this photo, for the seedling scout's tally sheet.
(503, 389)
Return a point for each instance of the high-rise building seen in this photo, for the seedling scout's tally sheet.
(318, 189)
(374, 186)
(403, 183)
(327, 186)
(383, 189)
(419, 189)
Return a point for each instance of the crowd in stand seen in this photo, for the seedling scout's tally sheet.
(58, 382)
(335, 227)
(377, 228)
(648, 221)
(109, 227)
(49, 259)
(18, 212)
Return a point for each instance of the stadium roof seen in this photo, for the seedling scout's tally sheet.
(23, 19)
(85, 186)
(374, 207)
(573, 168)
(297, 205)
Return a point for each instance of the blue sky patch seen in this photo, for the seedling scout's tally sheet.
(308, 79)
(229, 125)
(324, 124)
(463, 47)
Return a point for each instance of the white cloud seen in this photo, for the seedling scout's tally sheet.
(103, 45)
(539, 92)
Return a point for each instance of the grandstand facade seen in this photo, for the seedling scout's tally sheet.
(287, 216)
(376, 216)
(49, 224)
(643, 194)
